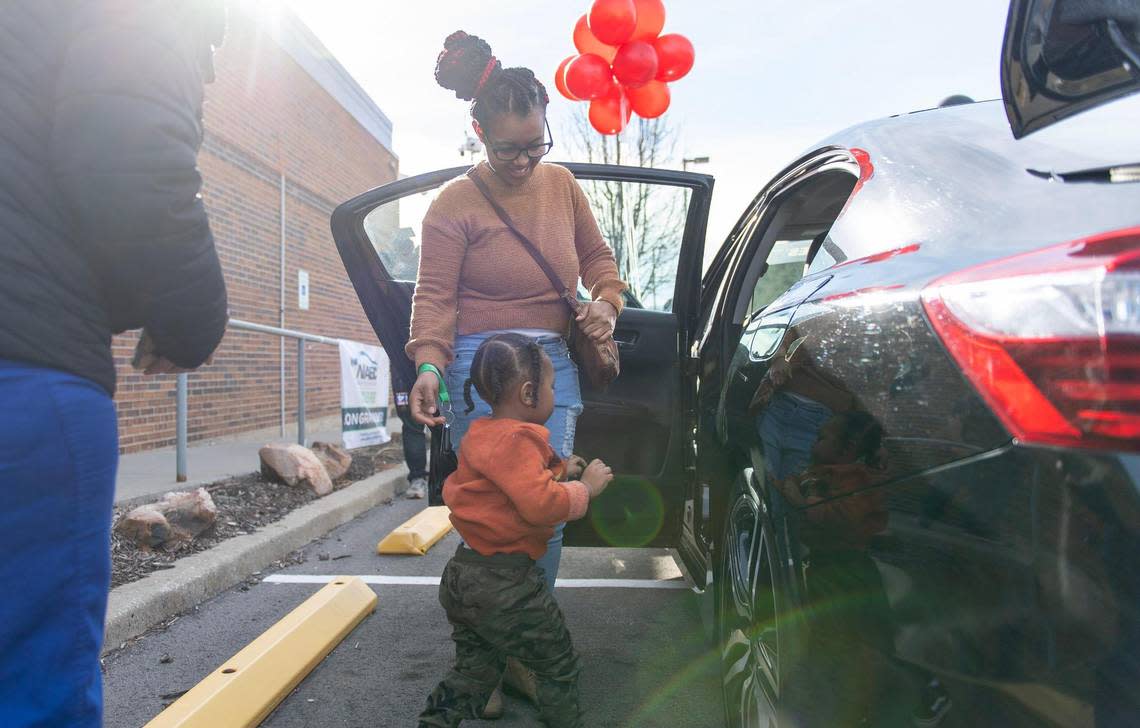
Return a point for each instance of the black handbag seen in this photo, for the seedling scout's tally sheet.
(443, 461)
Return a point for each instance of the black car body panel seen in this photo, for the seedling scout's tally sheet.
(963, 578)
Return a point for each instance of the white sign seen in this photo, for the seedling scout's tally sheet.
(363, 394)
(303, 290)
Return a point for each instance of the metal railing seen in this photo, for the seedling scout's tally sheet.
(181, 391)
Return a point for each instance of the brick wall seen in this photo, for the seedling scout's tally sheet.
(265, 117)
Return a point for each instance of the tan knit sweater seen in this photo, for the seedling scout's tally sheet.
(475, 275)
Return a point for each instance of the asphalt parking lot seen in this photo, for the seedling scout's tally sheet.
(645, 660)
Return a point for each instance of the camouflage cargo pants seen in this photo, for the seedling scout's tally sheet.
(499, 607)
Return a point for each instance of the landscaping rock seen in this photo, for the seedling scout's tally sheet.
(295, 465)
(145, 526)
(178, 518)
(189, 512)
(335, 458)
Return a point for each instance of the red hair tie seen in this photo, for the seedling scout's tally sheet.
(486, 75)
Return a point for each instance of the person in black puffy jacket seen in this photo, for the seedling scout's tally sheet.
(102, 229)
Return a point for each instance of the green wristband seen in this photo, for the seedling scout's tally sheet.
(444, 396)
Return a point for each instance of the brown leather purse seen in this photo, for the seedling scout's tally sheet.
(598, 359)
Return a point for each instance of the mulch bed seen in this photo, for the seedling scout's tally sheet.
(245, 504)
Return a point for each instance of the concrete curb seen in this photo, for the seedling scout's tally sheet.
(136, 607)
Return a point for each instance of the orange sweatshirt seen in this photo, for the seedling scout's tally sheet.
(505, 497)
(848, 522)
(475, 275)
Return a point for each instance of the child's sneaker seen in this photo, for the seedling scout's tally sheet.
(417, 489)
(521, 679)
(494, 708)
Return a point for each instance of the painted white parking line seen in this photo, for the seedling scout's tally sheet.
(434, 581)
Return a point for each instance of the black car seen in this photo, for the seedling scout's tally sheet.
(893, 432)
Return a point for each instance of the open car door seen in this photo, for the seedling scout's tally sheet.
(1062, 57)
(654, 220)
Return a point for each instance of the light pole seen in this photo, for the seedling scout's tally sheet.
(685, 162)
(471, 147)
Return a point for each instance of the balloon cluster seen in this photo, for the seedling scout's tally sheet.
(624, 63)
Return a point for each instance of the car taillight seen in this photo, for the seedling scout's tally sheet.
(1051, 339)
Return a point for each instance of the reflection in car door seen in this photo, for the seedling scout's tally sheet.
(635, 424)
(917, 570)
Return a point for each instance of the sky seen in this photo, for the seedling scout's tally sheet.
(771, 77)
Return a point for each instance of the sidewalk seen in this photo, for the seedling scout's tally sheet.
(144, 475)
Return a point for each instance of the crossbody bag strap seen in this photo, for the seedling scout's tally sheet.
(559, 288)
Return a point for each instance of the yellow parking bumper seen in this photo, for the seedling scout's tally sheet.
(248, 686)
(418, 534)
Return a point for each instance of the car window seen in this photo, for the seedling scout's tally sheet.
(826, 256)
(628, 299)
(644, 225)
(784, 266)
(784, 236)
(394, 229)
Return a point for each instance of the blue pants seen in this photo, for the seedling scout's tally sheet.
(562, 423)
(58, 455)
(789, 427)
(414, 440)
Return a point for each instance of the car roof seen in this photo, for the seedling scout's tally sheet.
(955, 180)
(1101, 137)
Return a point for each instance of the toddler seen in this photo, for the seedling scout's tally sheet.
(506, 497)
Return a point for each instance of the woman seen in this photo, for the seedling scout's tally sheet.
(476, 278)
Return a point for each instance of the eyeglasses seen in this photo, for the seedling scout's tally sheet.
(534, 151)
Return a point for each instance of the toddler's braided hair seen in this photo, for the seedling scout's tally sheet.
(467, 67)
(502, 361)
(863, 431)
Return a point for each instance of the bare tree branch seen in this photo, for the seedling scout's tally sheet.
(643, 223)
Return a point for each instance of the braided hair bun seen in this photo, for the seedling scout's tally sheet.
(465, 65)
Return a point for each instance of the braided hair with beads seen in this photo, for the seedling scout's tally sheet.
(467, 67)
(502, 360)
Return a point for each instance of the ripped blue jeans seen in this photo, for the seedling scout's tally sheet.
(562, 423)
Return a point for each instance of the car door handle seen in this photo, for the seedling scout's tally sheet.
(625, 338)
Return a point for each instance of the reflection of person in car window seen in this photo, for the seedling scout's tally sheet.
(792, 402)
(844, 457)
(852, 618)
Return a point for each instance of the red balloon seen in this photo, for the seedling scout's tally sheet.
(650, 19)
(620, 94)
(651, 100)
(674, 56)
(613, 21)
(560, 79)
(635, 64)
(586, 42)
(588, 76)
(611, 113)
